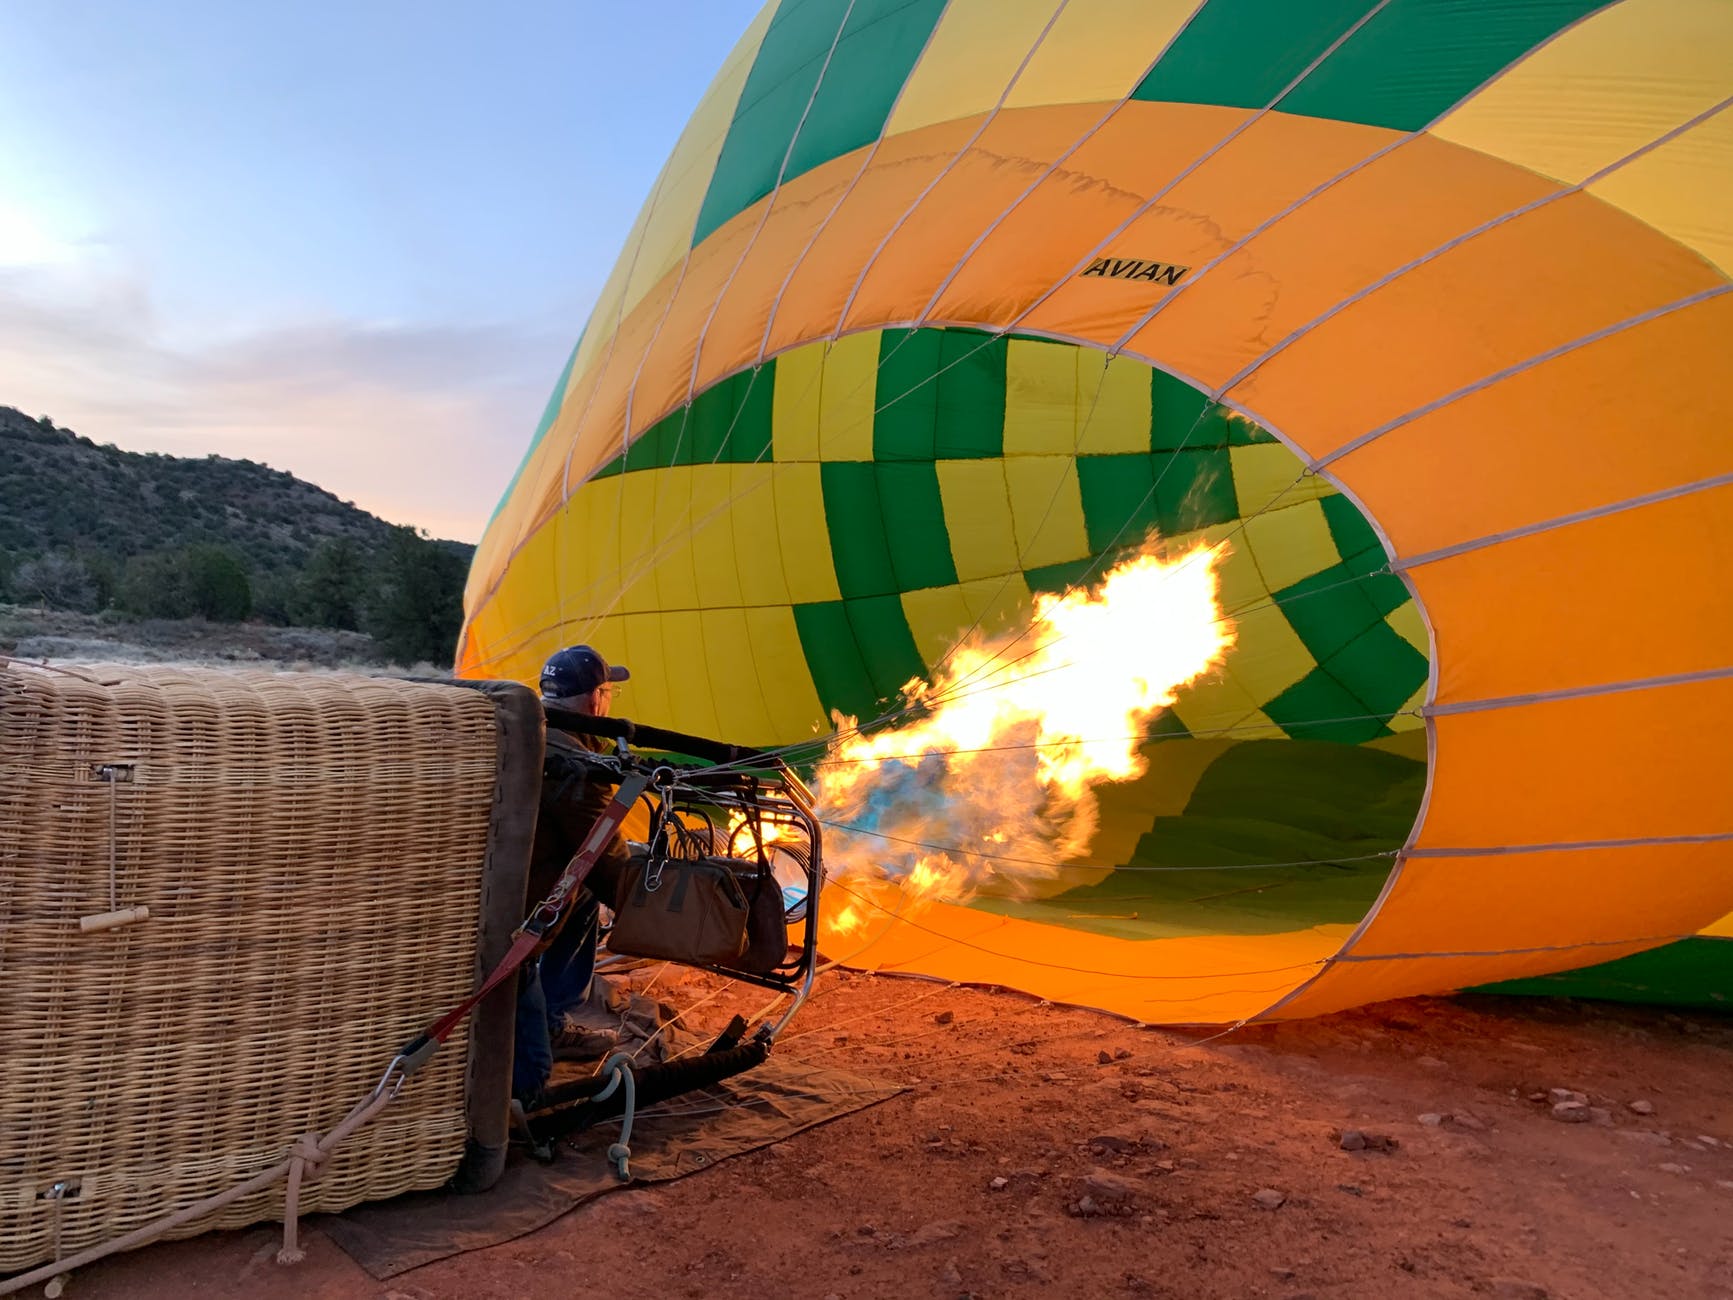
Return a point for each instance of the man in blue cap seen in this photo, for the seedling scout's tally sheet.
(551, 990)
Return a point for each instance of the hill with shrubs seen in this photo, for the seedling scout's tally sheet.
(86, 528)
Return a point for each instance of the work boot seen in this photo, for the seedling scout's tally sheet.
(577, 1039)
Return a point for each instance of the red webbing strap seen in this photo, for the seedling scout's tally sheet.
(416, 1052)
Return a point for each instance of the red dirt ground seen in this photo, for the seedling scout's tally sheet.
(1498, 1198)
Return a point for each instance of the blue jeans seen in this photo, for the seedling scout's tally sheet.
(548, 987)
(569, 964)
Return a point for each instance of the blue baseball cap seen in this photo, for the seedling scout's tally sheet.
(577, 670)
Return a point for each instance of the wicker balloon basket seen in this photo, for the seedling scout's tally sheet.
(226, 900)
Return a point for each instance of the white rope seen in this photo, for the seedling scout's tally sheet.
(305, 1153)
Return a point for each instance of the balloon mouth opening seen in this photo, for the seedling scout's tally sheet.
(1206, 778)
(1185, 814)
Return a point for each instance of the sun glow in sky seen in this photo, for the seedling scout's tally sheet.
(355, 242)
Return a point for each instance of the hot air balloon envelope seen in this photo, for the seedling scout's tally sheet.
(1417, 309)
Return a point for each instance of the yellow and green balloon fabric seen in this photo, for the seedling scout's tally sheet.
(1422, 306)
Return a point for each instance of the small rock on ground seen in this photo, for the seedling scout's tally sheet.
(1353, 1139)
(1114, 1143)
(1269, 1198)
(1110, 1189)
(1641, 1107)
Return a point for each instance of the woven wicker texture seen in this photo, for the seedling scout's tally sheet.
(310, 849)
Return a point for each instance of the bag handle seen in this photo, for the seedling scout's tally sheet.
(765, 875)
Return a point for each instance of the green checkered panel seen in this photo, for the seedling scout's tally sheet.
(988, 467)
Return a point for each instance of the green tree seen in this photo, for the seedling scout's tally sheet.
(332, 586)
(155, 586)
(276, 598)
(217, 584)
(417, 608)
(104, 573)
(196, 581)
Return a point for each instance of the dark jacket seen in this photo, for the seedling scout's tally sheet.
(571, 801)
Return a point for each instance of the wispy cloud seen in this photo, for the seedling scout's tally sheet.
(420, 423)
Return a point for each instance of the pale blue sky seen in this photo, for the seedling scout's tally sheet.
(352, 240)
